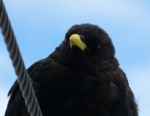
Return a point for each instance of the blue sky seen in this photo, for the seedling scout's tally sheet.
(40, 26)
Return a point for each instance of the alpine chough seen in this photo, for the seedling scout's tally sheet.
(81, 77)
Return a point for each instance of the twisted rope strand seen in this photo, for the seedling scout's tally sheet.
(17, 61)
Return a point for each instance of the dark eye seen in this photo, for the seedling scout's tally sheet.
(98, 47)
(82, 38)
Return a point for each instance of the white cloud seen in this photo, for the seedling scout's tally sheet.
(4, 100)
(139, 79)
(4, 58)
(7, 72)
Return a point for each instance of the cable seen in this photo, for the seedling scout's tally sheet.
(17, 61)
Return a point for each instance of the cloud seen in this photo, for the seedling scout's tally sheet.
(4, 100)
(5, 61)
(139, 82)
(7, 73)
(4, 56)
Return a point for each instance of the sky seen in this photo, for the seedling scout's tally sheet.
(40, 26)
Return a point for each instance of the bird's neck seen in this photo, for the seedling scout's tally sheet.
(83, 63)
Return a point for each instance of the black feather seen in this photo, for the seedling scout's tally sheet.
(70, 82)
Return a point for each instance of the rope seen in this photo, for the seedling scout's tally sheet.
(17, 61)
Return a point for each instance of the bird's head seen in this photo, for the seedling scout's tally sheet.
(86, 42)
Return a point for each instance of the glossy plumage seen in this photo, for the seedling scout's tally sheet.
(72, 82)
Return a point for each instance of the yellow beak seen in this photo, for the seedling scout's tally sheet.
(75, 40)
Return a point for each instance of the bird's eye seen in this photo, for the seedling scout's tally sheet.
(98, 47)
(82, 36)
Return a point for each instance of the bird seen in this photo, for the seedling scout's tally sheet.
(81, 77)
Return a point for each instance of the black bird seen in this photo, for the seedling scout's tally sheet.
(81, 77)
